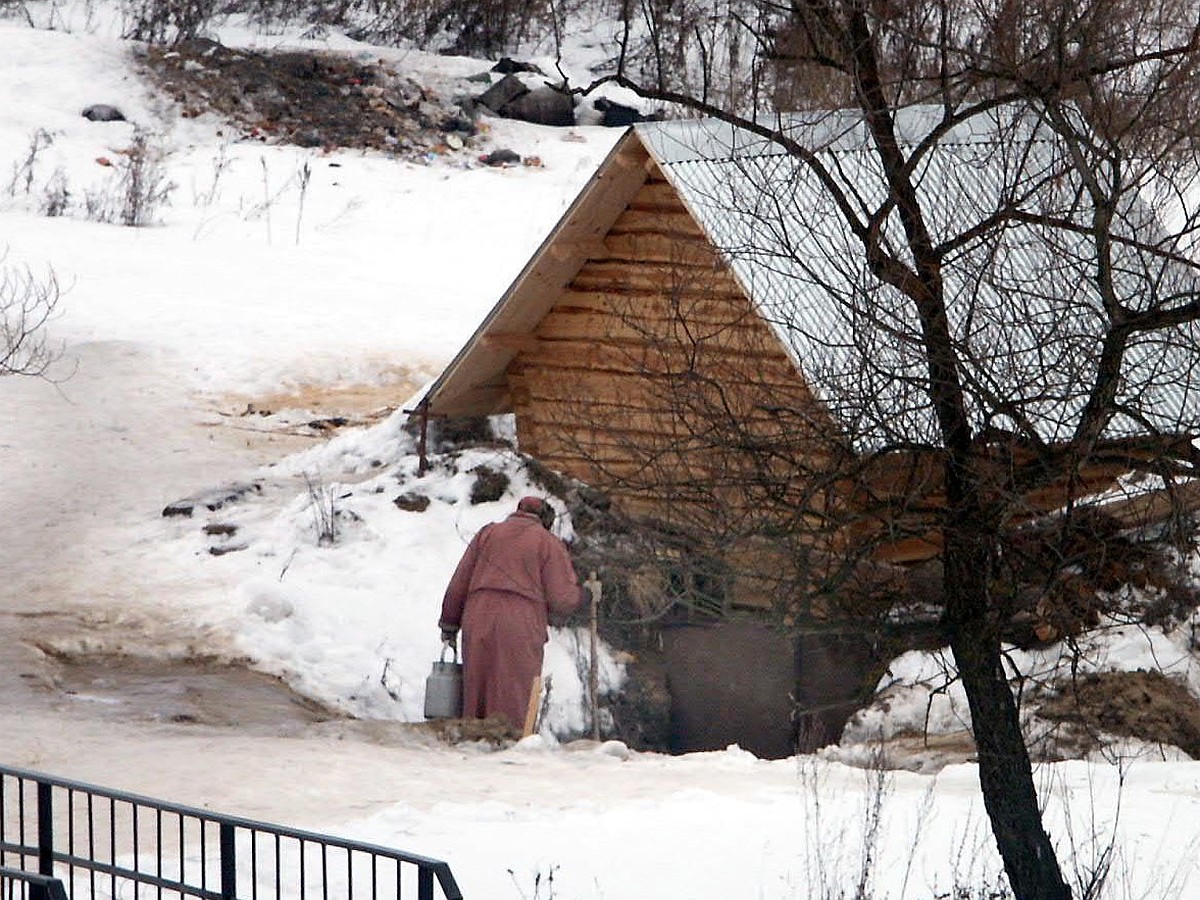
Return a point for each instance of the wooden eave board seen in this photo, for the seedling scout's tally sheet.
(474, 382)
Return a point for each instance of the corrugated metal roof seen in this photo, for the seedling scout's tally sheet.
(1023, 303)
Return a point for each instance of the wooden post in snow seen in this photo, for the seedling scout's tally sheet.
(422, 438)
(593, 586)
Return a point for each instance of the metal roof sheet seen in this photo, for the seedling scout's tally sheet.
(1024, 308)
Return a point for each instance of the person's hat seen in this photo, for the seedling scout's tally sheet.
(539, 507)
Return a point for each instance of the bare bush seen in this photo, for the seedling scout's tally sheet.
(323, 504)
(56, 196)
(27, 303)
(24, 171)
(145, 187)
(16, 9)
(167, 21)
(139, 190)
(489, 27)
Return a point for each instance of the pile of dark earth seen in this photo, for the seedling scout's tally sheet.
(319, 100)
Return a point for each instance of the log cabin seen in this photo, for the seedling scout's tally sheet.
(700, 336)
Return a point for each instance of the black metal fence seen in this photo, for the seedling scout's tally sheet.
(102, 843)
(17, 883)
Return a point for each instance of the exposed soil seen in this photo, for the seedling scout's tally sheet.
(199, 692)
(1148, 706)
(293, 419)
(182, 692)
(320, 100)
(61, 661)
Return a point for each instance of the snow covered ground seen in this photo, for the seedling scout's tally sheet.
(195, 352)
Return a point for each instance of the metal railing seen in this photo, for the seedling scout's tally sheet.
(16, 883)
(106, 844)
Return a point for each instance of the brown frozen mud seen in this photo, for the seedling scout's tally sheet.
(194, 692)
(364, 402)
(37, 675)
(291, 420)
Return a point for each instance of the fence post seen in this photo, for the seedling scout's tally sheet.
(228, 862)
(45, 832)
(424, 884)
(45, 810)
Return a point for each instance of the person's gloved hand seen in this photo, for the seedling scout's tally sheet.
(593, 587)
(450, 637)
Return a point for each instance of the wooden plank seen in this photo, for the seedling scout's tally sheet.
(672, 463)
(593, 328)
(673, 223)
(694, 333)
(661, 248)
(564, 386)
(636, 425)
(720, 363)
(703, 303)
(622, 476)
(654, 194)
(593, 248)
(533, 707)
(757, 405)
(1156, 506)
(659, 277)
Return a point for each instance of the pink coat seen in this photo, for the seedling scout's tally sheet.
(513, 575)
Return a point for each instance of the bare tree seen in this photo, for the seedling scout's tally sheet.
(27, 304)
(1005, 316)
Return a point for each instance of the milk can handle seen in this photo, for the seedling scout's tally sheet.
(446, 647)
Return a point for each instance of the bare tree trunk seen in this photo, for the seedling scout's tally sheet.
(1005, 771)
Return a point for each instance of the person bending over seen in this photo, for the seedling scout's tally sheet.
(513, 576)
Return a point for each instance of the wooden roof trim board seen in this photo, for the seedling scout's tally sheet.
(473, 383)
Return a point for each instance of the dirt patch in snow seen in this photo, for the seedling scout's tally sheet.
(1148, 706)
(46, 663)
(320, 100)
(368, 402)
(297, 417)
(197, 692)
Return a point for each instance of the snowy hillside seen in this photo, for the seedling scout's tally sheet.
(299, 284)
(273, 290)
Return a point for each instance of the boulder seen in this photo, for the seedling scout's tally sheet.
(508, 66)
(501, 157)
(103, 112)
(502, 93)
(617, 115)
(212, 500)
(542, 106)
(412, 502)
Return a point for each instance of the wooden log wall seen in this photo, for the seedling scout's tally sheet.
(653, 376)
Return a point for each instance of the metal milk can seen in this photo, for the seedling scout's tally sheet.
(444, 688)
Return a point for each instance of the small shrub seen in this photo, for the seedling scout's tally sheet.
(56, 198)
(487, 28)
(167, 21)
(16, 9)
(139, 190)
(23, 171)
(323, 504)
(27, 304)
(144, 185)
